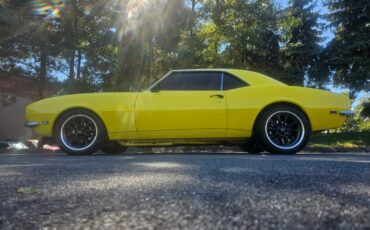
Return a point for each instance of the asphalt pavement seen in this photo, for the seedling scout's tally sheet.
(185, 191)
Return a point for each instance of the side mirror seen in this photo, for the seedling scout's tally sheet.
(155, 89)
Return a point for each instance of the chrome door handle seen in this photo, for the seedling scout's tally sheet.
(217, 95)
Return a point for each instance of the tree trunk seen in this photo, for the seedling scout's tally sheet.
(192, 19)
(72, 65)
(192, 25)
(79, 56)
(42, 73)
(150, 58)
(74, 38)
(219, 6)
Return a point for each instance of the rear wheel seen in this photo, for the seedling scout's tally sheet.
(79, 132)
(113, 147)
(283, 130)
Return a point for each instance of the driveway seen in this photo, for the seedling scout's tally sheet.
(193, 191)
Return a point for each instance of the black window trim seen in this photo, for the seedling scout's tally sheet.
(156, 84)
(233, 76)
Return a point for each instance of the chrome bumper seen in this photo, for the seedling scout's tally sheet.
(347, 113)
(32, 124)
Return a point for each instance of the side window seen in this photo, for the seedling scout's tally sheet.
(176, 81)
(207, 81)
(192, 81)
(231, 82)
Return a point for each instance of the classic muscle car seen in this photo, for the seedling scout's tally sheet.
(191, 107)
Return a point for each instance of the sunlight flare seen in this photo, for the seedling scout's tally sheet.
(51, 8)
(139, 16)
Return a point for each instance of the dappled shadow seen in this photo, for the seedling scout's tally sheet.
(202, 180)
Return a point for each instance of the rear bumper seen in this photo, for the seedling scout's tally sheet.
(346, 113)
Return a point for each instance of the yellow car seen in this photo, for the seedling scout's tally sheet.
(191, 107)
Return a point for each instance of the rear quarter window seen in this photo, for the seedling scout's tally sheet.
(232, 82)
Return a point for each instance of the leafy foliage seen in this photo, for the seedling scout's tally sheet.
(301, 36)
(121, 45)
(365, 112)
(350, 49)
(361, 121)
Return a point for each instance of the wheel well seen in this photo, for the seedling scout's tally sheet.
(77, 108)
(277, 104)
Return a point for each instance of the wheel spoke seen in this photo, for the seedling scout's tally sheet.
(279, 118)
(293, 123)
(285, 119)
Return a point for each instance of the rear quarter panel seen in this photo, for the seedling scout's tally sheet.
(244, 105)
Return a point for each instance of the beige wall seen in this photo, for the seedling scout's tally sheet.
(12, 119)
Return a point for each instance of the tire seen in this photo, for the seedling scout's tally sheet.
(79, 132)
(252, 147)
(283, 129)
(113, 147)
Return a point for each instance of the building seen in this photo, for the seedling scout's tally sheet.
(16, 92)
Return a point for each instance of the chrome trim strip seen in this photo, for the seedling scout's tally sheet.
(32, 124)
(222, 81)
(346, 113)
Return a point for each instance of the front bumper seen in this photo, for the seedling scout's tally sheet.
(347, 113)
(32, 124)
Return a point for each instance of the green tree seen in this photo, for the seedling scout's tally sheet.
(301, 36)
(360, 122)
(13, 23)
(147, 33)
(365, 108)
(350, 49)
(31, 43)
(241, 34)
(74, 32)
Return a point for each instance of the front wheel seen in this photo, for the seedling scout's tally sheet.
(283, 130)
(79, 132)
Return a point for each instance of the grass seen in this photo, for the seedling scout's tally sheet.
(341, 140)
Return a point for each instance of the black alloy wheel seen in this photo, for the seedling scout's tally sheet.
(283, 129)
(79, 132)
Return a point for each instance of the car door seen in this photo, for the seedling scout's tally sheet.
(182, 105)
(241, 105)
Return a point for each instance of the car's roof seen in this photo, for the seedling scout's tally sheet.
(252, 78)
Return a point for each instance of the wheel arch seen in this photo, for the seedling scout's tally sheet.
(274, 104)
(77, 108)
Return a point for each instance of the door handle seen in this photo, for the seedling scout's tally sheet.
(217, 95)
